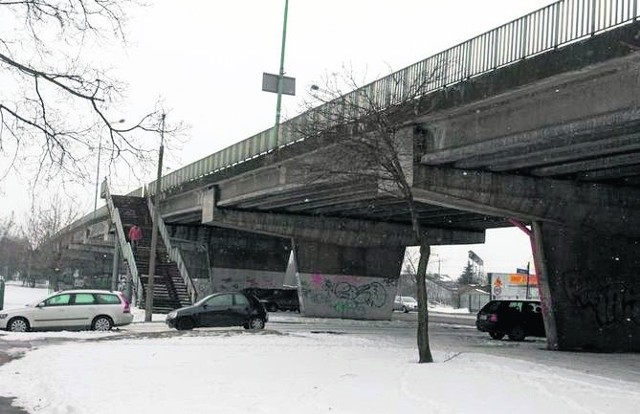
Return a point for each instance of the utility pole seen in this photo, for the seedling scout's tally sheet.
(154, 232)
(95, 197)
(115, 267)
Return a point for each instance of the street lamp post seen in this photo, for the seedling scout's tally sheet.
(281, 73)
(154, 231)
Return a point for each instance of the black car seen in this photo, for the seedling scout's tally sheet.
(515, 318)
(276, 299)
(220, 309)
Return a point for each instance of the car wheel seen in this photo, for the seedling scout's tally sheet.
(102, 323)
(517, 334)
(185, 324)
(18, 325)
(496, 335)
(254, 323)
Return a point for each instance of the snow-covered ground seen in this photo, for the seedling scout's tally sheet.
(232, 370)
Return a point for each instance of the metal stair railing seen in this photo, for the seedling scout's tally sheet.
(175, 255)
(125, 246)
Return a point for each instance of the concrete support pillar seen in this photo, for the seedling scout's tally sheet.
(240, 259)
(347, 282)
(590, 287)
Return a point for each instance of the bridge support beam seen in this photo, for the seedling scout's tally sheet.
(589, 287)
(347, 282)
(341, 231)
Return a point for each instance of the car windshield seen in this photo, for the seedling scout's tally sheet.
(201, 301)
(35, 302)
(409, 299)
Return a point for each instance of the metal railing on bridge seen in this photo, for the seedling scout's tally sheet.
(550, 27)
(125, 246)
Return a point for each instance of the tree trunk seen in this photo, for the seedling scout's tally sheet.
(424, 350)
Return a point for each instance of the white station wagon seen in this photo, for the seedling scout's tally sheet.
(99, 310)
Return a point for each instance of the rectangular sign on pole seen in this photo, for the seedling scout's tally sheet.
(270, 84)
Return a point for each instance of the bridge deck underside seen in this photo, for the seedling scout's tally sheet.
(368, 206)
(357, 200)
(605, 154)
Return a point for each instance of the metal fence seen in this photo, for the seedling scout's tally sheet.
(558, 24)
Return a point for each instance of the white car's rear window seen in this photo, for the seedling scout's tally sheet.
(105, 298)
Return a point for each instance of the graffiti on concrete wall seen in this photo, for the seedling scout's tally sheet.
(347, 295)
(611, 304)
(228, 284)
(238, 279)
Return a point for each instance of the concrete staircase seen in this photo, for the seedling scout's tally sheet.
(169, 289)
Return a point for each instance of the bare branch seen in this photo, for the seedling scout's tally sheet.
(57, 108)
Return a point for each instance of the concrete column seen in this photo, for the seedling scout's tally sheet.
(347, 282)
(591, 288)
(233, 259)
(240, 259)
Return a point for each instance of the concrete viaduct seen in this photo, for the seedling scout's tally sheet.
(536, 122)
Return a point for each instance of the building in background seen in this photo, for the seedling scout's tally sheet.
(472, 298)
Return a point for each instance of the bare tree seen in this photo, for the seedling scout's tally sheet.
(56, 100)
(42, 223)
(13, 248)
(7, 227)
(367, 140)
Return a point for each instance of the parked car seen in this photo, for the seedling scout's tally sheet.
(220, 309)
(515, 318)
(99, 310)
(276, 299)
(405, 304)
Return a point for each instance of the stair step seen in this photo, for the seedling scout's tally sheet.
(169, 289)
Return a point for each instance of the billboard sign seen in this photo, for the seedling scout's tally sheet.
(475, 258)
(514, 286)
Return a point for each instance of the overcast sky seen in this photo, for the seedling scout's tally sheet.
(205, 61)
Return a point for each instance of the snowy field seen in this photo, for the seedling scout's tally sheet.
(236, 371)
(16, 295)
